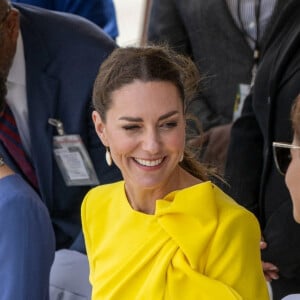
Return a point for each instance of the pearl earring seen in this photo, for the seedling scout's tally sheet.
(108, 157)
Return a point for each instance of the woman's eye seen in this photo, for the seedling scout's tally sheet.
(169, 124)
(131, 127)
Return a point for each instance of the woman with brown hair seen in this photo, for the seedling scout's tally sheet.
(165, 231)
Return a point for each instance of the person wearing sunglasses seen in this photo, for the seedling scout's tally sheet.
(287, 161)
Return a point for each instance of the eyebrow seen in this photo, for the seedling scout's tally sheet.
(163, 117)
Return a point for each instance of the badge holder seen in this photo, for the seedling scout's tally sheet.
(72, 158)
(243, 91)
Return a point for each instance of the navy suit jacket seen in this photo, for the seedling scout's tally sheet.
(101, 12)
(26, 242)
(62, 56)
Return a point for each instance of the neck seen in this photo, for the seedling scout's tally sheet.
(144, 199)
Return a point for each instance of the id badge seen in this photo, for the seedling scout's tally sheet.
(74, 161)
(242, 93)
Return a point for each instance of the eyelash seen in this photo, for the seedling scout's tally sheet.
(170, 124)
(167, 125)
(131, 127)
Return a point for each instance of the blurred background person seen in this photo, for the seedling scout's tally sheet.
(51, 61)
(44, 81)
(100, 12)
(224, 38)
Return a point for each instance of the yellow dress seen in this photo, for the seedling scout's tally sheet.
(199, 244)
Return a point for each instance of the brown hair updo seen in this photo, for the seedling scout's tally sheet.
(150, 63)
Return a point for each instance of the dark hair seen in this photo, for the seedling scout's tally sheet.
(295, 116)
(149, 63)
(3, 7)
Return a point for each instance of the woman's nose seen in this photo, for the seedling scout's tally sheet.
(151, 142)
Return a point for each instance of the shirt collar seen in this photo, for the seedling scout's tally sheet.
(17, 71)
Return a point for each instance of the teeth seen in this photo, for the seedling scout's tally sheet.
(149, 163)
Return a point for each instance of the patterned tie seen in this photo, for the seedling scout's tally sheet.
(9, 135)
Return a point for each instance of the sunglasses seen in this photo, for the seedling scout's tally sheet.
(282, 156)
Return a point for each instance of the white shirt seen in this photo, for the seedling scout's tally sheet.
(16, 94)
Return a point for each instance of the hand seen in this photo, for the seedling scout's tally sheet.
(270, 270)
(5, 171)
(217, 145)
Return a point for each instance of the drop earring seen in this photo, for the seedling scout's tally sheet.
(108, 157)
(181, 157)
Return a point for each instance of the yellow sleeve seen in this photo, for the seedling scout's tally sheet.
(218, 253)
(234, 258)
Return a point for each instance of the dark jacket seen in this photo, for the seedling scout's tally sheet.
(251, 171)
(206, 31)
(62, 57)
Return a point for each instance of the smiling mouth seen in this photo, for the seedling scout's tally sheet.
(149, 163)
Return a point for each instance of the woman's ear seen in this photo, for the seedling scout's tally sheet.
(100, 128)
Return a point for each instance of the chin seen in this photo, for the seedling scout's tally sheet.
(150, 183)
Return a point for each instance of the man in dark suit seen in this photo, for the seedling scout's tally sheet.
(51, 61)
(251, 171)
(216, 35)
(60, 60)
(27, 241)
